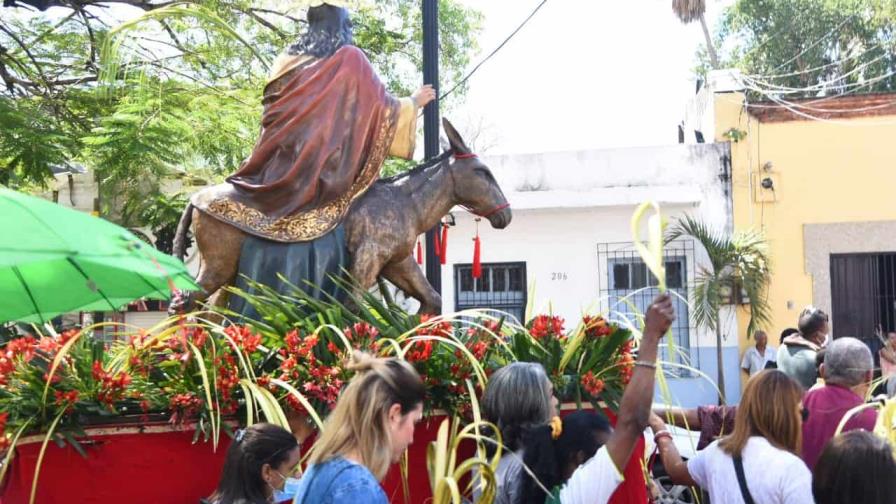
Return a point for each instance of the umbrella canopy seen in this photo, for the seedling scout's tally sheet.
(56, 260)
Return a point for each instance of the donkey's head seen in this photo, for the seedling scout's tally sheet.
(474, 185)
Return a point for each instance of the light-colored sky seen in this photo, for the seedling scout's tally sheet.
(583, 74)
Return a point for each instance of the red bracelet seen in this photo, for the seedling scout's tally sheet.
(662, 434)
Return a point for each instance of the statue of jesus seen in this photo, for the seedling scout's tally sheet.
(328, 124)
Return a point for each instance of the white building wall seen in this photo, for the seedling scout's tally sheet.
(565, 204)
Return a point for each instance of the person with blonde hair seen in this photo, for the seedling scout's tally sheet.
(371, 426)
(759, 461)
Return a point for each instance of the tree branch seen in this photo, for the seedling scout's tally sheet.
(264, 22)
(37, 67)
(90, 34)
(76, 4)
(277, 13)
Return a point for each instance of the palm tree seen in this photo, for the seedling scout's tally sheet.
(689, 11)
(738, 271)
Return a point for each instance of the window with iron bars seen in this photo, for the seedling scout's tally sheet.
(502, 286)
(628, 287)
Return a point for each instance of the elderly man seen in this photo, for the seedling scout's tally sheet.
(757, 357)
(847, 371)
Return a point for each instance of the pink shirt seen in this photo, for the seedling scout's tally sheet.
(827, 406)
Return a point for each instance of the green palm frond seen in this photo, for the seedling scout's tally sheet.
(739, 261)
(718, 247)
(706, 299)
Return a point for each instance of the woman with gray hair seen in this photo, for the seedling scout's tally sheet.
(520, 397)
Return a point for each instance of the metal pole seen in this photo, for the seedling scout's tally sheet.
(431, 122)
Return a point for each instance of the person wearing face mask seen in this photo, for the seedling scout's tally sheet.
(259, 467)
(370, 428)
(796, 356)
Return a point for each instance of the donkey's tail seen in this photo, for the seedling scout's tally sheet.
(180, 237)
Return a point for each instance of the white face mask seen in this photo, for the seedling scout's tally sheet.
(289, 490)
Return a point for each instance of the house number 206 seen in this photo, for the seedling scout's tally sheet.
(557, 276)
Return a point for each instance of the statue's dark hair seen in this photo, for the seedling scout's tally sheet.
(329, 28)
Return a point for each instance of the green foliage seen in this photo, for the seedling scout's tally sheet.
(738, 262)
(589, 363)
(735, 135)
(810, 47)
(183, 94)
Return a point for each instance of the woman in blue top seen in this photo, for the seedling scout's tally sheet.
(371, 426)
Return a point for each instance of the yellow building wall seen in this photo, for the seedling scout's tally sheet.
(824, 172)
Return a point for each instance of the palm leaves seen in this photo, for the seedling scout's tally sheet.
(739, 262)
(689, 11)
(739, 270)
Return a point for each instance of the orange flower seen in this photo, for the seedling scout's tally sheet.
(593, 385)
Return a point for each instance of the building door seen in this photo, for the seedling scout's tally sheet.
(863, 295)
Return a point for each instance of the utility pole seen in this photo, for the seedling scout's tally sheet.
(431, 122)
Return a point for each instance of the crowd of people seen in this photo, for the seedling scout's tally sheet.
(780, 444)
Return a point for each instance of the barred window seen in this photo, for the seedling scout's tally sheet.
(502, 286)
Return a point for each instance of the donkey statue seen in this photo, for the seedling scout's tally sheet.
(381, 227)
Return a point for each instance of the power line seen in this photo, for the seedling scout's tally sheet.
(813, 44)
(500, 46)
(823, 85)
(801, 109)
(822, 67)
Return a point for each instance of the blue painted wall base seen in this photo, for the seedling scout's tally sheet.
(698, 390)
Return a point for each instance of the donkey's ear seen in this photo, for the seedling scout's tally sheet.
(457, 143)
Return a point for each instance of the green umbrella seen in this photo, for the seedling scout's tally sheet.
(56, 260)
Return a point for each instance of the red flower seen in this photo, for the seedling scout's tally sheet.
(228, 377)
(244, 338)
(478, 349)
(626, 365)
(292, 341)
(23, 347)
(112, 388)
(361, 331)
(98, 372)
(428, 328)
(543, 326)
(48, 346)
(183, 406)
(592, 385)
(56, 377)
(492, 325)
(67, 399)
(4, 441)
(68, 335)
(419, 351)
(596, 327)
